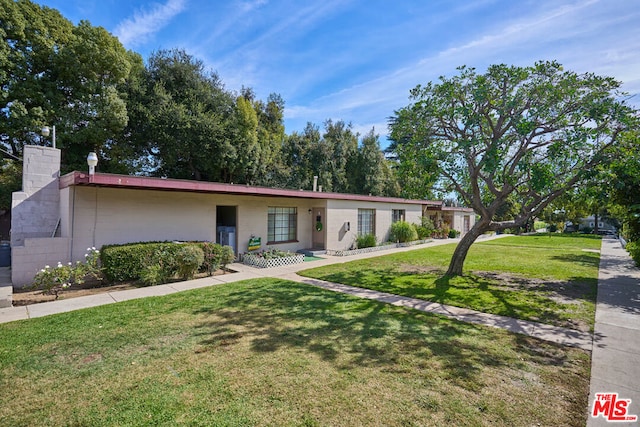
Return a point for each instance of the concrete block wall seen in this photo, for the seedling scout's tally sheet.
(34, 255)
(35, 210)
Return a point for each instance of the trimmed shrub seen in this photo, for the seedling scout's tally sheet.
(402, 231)
(127, 262)
(634, 250)
(226, 256)
(366, 241)
(189, 258)
(453, 233)
(216, 256)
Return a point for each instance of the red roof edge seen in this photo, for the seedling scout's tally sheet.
(168, 184)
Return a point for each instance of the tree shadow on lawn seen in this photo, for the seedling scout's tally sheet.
(499, 293)
(586, 260)
(351, 332)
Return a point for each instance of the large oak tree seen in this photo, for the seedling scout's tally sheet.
(513, 133)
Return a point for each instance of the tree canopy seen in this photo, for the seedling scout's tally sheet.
(55, 73)
(519, 134)
(170, 116)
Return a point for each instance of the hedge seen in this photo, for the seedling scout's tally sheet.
(131, 261)
(127, 262)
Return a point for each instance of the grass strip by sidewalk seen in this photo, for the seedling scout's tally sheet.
(547, 278)
(273, 352)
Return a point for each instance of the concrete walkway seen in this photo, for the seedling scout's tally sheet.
(615, 359)
(545, 332)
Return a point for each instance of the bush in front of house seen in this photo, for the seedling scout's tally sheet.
(366, 241)
(128, 262)
(453, 233)
(634, 250)
(402, 231)
(54, 280)
(157, 262)
(189, 258)
(425, 229)
(216, 256)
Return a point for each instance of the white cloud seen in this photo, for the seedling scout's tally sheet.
(137, 30)
(577, 35)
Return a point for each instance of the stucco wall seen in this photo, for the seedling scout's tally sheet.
(341, 211)
(104, 216)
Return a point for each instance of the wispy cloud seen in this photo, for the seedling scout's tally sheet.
(137, 30)
(568, 33)
(248, 6)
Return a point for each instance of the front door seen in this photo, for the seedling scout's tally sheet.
(318, 225)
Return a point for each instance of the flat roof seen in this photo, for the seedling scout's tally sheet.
(169, 184)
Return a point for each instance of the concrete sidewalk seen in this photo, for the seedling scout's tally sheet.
(615, 360)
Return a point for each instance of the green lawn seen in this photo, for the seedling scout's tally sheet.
(551, 279)
(273, 352)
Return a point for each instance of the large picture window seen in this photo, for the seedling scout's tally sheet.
(366, 221)
(282, 224)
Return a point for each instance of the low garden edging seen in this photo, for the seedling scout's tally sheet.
(266, 260)
(351, 252)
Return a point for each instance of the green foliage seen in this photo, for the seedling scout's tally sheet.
(538, 225)
(425, 229)
(10, 181)
(226, 256)
(453, 233)
(520, 135)
(341, 164)
(127, 262)
(189, 258)
(157, 262)
(272, 254)
(216, 256)
(57, 73)
(402, 231)
(634, 250)
(366, 241)
(55, 280)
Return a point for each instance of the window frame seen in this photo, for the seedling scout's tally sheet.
(398, 215)
(370, 216)
(282, 224)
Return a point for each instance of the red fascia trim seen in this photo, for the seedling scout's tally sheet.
(162, 184)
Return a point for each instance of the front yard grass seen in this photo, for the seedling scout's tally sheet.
(274, 352)
(547, 278)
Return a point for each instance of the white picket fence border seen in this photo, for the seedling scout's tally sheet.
(375, 248)
(259, 262)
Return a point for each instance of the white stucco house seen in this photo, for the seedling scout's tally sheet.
(56, 218)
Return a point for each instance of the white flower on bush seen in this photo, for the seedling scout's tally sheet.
(63, 276)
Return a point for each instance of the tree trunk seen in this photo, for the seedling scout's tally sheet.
(460, 254)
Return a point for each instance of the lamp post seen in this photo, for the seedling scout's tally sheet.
(92, 161)
(45, 132)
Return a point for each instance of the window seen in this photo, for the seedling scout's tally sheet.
(397, 215)
(366, 221)
(282, 224)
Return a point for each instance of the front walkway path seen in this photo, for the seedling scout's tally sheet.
(615, 359)
(534, 329)
(616, 343)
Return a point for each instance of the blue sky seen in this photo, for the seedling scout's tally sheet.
(356, 60)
